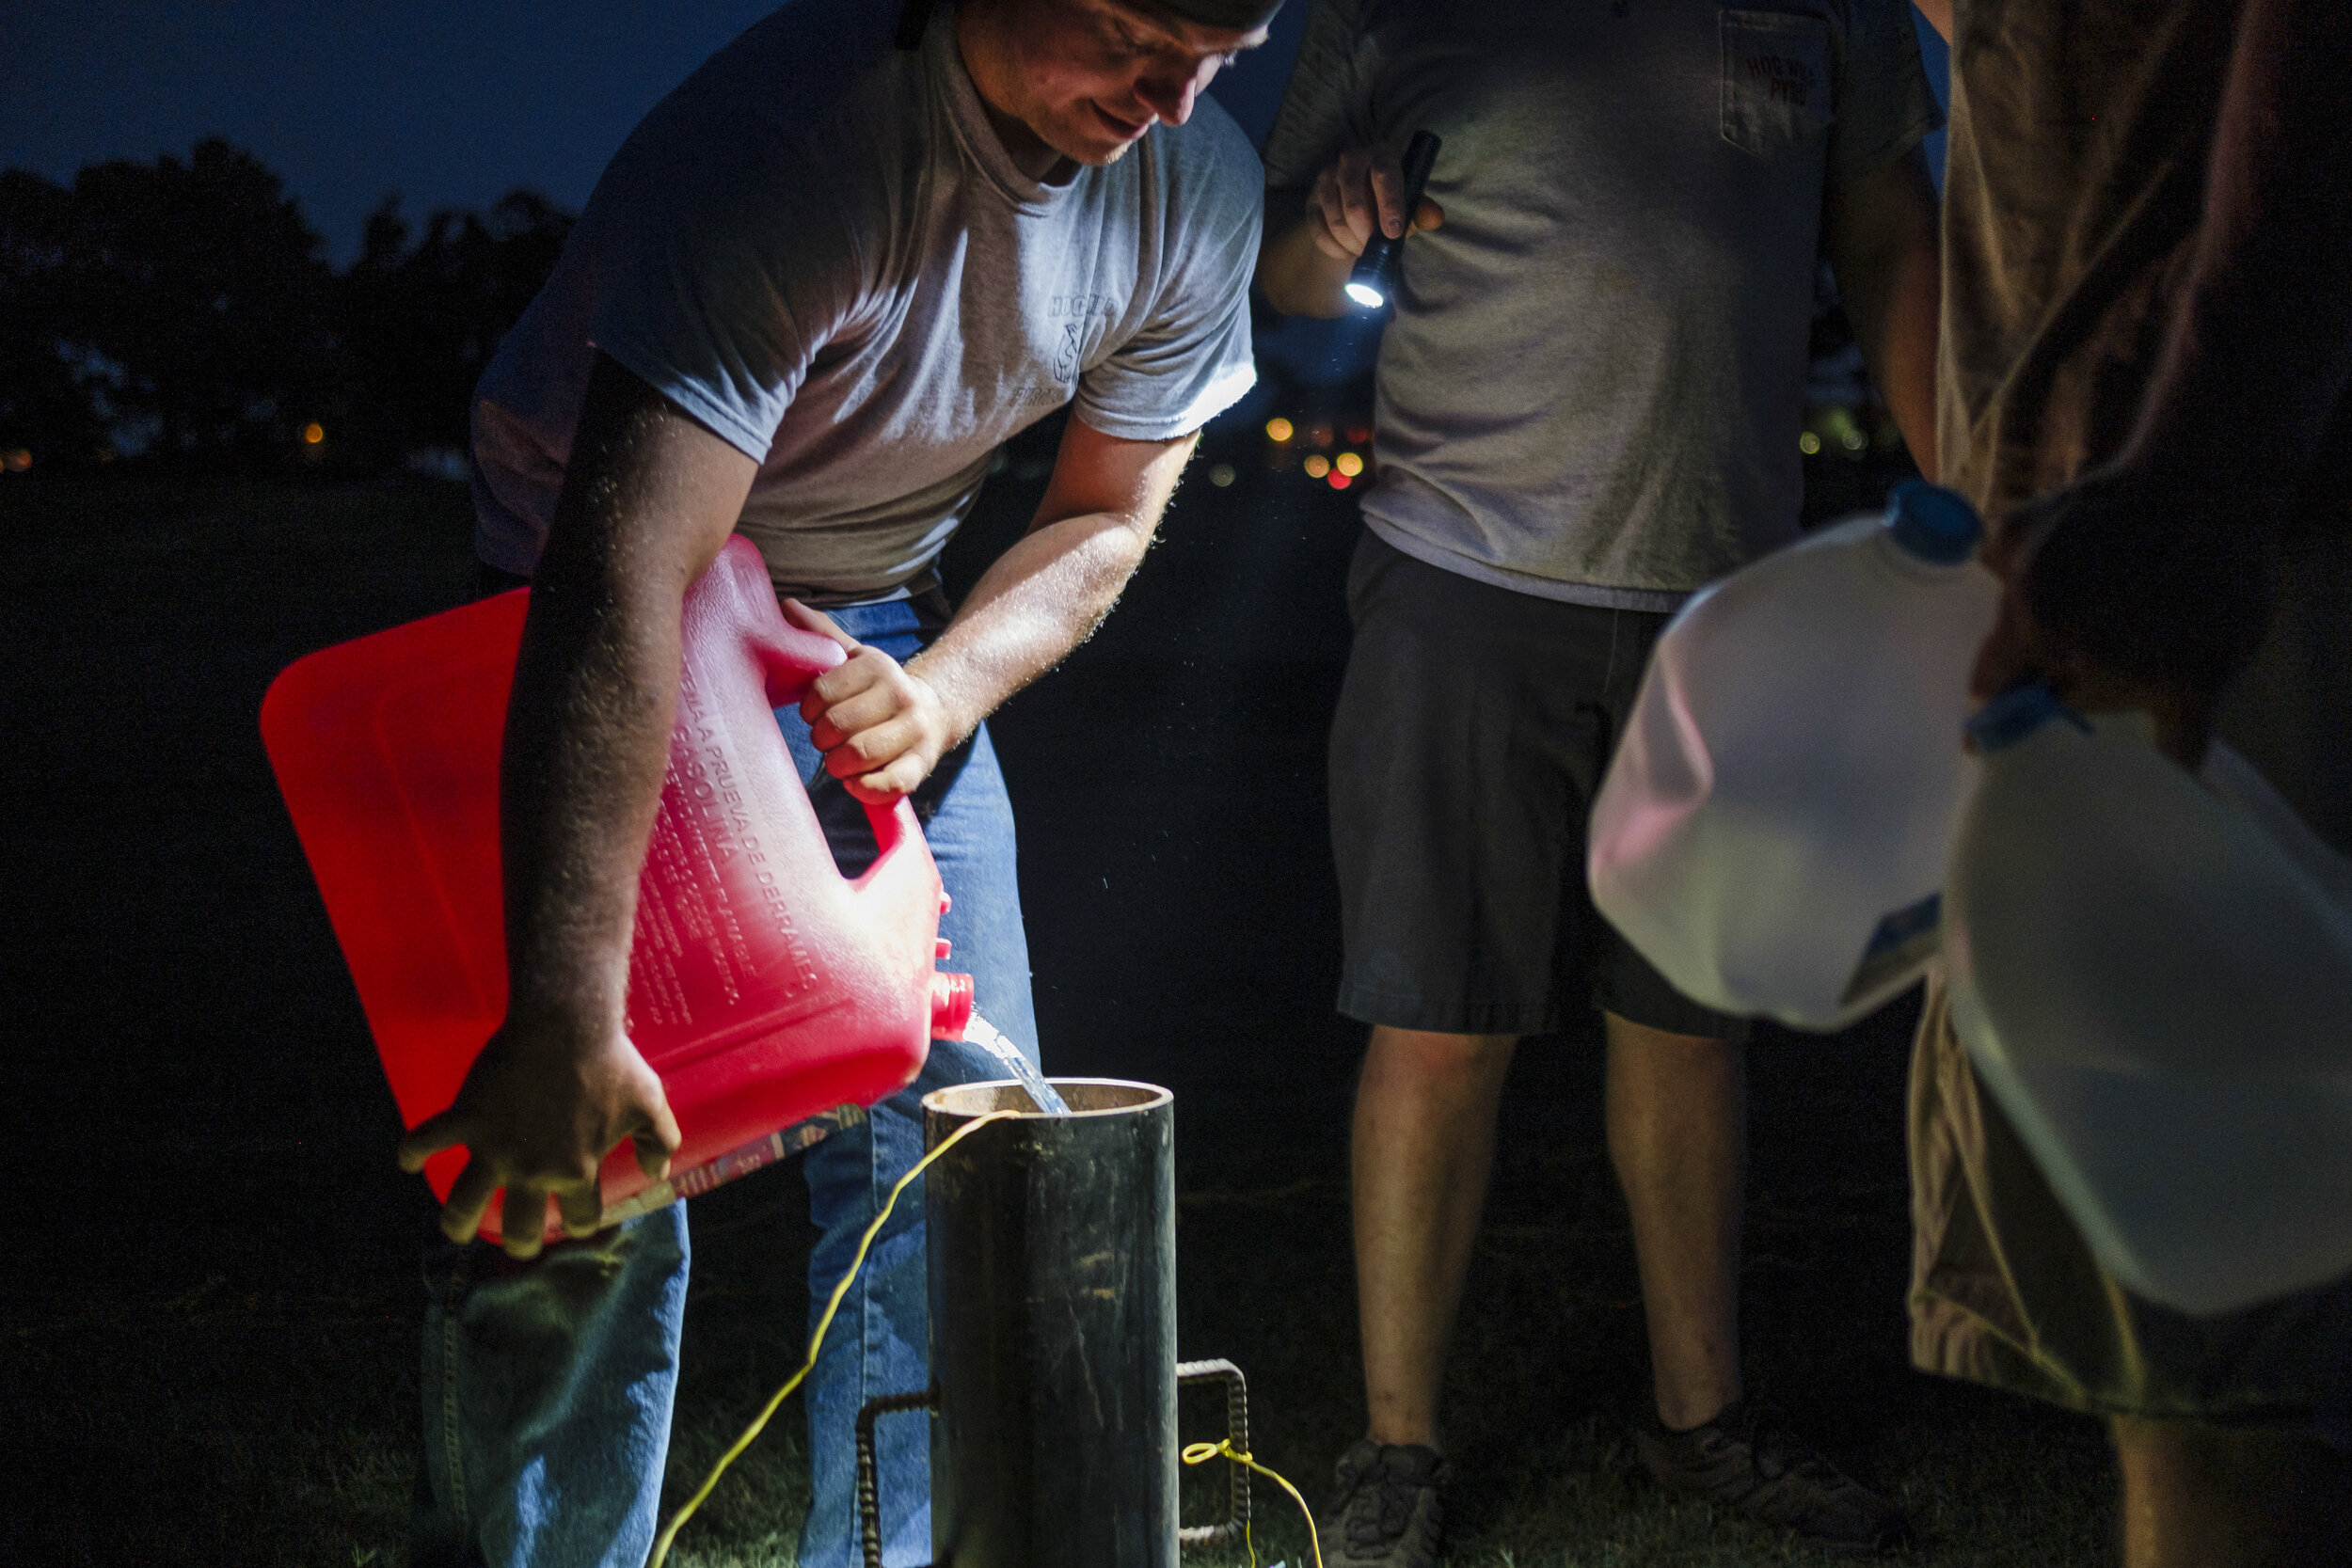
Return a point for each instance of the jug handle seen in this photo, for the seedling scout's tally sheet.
(893, 825)
(790, 660)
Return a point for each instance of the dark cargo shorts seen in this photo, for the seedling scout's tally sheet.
(1472, 731)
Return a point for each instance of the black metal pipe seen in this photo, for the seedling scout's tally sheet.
(1053, 1304)
(1051, 1255)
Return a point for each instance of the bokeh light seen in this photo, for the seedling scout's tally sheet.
(1317, 465)
(1278, 429)
(1221, 475)
(1340, 481)
(312, 434)
(1348, 463)
(1808, 443)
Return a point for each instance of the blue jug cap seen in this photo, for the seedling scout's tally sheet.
(1933, 524)
(2016, 714)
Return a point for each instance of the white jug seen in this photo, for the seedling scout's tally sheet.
(2153, 976)
(1773, 832)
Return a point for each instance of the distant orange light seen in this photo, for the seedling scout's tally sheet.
(1317, 465)
(1340, 481)
(1349, 464)
(1358, 434)
(1278, 429)
(313, 433)
(18, 461)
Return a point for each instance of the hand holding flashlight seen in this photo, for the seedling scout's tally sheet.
(1374, 278)
(1364, 204)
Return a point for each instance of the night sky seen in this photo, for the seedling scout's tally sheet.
(451, 103)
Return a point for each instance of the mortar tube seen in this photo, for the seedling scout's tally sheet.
(1052, 1252)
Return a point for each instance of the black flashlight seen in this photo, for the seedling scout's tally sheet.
(1374, 278)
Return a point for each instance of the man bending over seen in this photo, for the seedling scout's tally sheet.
(813, 291)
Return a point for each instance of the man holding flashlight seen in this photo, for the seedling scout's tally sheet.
(1589, 399)
(815, 289)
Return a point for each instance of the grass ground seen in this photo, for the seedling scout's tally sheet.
(211, 1320)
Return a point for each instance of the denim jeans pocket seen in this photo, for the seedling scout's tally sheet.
(1777, 93)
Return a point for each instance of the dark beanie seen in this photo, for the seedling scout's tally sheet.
(1238, 16)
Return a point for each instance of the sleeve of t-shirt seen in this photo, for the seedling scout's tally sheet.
(1191, 359)
(1885, 104)
(1323, 110)
(704, 295)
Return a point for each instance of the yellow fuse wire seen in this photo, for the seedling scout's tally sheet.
(815, 1340)
(1201, 1453)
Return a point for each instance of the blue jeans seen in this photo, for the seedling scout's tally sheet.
(547, 1384)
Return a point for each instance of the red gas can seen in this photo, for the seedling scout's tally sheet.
(763, 988)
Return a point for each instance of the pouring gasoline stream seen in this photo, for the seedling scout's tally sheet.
(1042, 1094)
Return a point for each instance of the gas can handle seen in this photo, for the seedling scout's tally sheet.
(895, 827)
(790, 660)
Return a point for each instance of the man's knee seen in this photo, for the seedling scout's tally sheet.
(1428, 1055)
(1627, 1036)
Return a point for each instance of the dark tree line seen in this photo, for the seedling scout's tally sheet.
(182, 313)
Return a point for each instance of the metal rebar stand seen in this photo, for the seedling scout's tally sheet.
(868, 1487)
(1237, 1432)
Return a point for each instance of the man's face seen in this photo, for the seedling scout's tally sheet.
(1090, 78)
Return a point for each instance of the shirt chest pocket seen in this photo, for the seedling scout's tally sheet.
(1777, 98)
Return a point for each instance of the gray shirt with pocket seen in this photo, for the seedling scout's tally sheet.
(1593, 384)
(817, 247)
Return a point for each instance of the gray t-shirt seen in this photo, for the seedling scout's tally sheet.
(1592, 386)
(817, 247)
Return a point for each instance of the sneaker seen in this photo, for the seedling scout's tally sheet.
(1748, 1459)
(1390, 1510)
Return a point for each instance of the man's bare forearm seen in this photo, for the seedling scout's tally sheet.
(587, 738)
(1040, 600)
(2149, 577)
(1047, 594)
(1883, 244)
(648, 498)
(644, 511)
(1296, 275)
(2261, 345)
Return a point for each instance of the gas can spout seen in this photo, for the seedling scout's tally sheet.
(951, 1006)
